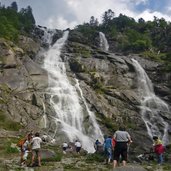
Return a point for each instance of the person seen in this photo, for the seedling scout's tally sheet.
(96, 145)
(158, 149)
(108, 149)
(27, 147)
(36, 142)
(122, 139)
(64, 147)
(77, 146)
(23, 148)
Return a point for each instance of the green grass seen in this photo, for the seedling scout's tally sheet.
(57, 158)
(95, 158)
(9, 149)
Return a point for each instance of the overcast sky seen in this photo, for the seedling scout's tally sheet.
(62, 14)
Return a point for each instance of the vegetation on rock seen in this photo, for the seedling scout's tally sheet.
(12, 22)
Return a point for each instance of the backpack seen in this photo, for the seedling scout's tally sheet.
(21, 142)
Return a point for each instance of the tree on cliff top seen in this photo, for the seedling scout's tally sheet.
(12, 22)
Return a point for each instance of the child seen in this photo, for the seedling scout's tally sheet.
(158, 149)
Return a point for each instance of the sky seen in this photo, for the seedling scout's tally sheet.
(62, 14)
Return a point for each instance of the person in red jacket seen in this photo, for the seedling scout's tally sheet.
(158, 149)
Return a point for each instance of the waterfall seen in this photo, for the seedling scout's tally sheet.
(103, 42)
(151, 106)
(70, 115)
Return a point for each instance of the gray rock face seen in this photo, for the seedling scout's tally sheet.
(109, 86)
(21, 79)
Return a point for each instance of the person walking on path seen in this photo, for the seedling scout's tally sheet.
(158, 149)
(36, 141)
(122, 139)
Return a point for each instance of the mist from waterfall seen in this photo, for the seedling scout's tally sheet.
(151, 106)
(70, 108)
(103, 42)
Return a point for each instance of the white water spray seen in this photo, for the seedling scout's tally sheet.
(66, 102)
(151, 106)
(103, 42)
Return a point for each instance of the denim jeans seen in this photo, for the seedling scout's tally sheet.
(160, 158)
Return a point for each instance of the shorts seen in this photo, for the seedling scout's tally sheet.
(25, 155)
(64, 148)
(36, 151)
(120, 150)
(78, 149)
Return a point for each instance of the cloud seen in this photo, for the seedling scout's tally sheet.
(62, 14)
(60, 23)
(149, 15)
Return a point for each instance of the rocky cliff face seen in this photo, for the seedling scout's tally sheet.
(108, 82)
(22, 82)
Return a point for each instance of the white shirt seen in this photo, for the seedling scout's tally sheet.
(65, 145)
(78, 144)
(36, 142)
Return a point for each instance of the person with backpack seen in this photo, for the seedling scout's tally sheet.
(36, 146)
(24, 144)
(123, 139)
(27, 148)
(158, 149)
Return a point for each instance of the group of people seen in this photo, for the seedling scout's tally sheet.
(77, 146)
(116, 148)
(31, 144)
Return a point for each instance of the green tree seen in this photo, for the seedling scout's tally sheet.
(14, 6)
(93, 21)
(107, 17)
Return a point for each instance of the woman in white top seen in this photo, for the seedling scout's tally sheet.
(36, 141)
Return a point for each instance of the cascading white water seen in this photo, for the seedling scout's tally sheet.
(151, 106)
(103, 42)
(95, 130)
(66, 102)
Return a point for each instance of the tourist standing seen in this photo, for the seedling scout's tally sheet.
(158, 149)
(122, 139)
(36, 141)
(108, 149)
(77, 146)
